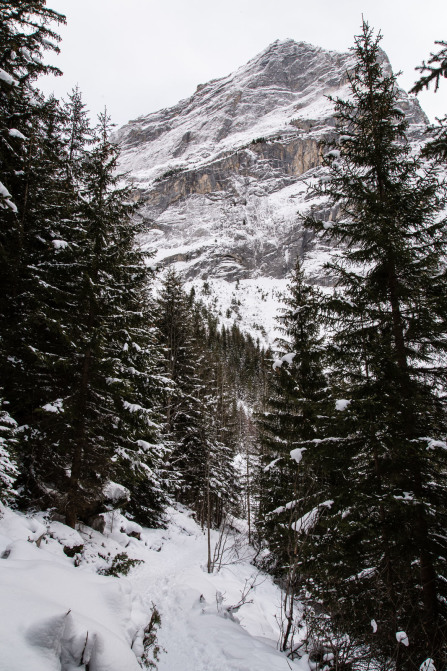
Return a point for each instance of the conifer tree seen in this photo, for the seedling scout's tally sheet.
(8, 464)
(194, 405)
(434, 69)
(41, 377)
(95, 415)
(34, 332)
(292, 427)
(294, 409)
(379, 549)
(25, 34)
(111, 404)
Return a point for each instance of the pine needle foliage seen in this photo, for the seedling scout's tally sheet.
(433, 71)
(292, 418)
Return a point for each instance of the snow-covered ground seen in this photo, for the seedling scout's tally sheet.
(57, 613)
(253, 304)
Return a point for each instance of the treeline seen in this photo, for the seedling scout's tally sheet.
(353, 505)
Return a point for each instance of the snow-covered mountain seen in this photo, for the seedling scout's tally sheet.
(222, 175)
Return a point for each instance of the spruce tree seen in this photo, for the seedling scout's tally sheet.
(195, 403)
(434, 69)
(41, 376)
(292, 427)
(110, 407)
(25, 34)
(293, 408)
(379, 549)
(8, 463)
(94, 364)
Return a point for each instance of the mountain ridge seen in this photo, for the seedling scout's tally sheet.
(222, 176)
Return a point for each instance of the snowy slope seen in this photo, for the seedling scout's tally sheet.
(195, 631)
(57, 613)
(287, 81)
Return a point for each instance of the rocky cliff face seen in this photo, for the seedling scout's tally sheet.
(222, 176)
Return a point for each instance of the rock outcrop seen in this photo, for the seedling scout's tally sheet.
(222, 175)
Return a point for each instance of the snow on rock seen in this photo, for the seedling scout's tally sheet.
(401, 637)
(119, 527)
(221, 199)
(66, 536)
(15, 527)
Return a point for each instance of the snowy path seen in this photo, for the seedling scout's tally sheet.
(55, 617)
(195, 636)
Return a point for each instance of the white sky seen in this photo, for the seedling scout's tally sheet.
(138, 56)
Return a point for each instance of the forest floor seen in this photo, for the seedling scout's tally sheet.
(56, 616)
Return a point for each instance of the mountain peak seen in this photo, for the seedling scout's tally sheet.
(282, 91)
(291, 65)
(221, 176)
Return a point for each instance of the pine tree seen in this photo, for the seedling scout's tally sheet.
(292, 426)
(379, 549)
(195, 403)
(25, 34)
(111, 407)
(8, 463)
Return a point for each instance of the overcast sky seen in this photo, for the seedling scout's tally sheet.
(138, 56)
